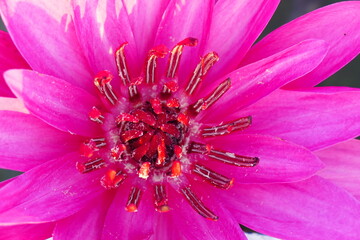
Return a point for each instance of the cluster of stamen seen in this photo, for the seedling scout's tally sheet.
(152, 139)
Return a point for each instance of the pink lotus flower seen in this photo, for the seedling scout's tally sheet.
(118, 112)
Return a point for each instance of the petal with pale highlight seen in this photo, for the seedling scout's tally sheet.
(12, 104)
(342, 165)
(315, 119)
(58, 103)
(280, 160)
(30, 142)
(44, 33)
(337, 24)
(244, 20)
(102, 26)
(9, 58)
(255, 81)
(313, 208)
(27, 231)
(50, 187)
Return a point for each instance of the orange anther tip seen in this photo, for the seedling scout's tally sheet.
(131, 208)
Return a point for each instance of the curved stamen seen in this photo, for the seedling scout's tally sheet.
(90, 165)
(200, 71)
(122, 65)
(102, 82)
(133, 200)
(227, 128)
(112, 179)
(205, 103)
(223, 156)
(175, 55)
(161, 199)
(197, 204)
(156, 52)
(213, 177)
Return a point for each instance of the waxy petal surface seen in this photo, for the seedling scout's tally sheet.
(26, 142)
(234, 28)
(342, 165)
(44, 33)
(27, 231)
(9, 58)
(337, 24)
(87, 223)
(102, 26)
(314, 208)
(280, 160)
(255, 81)
(144, 17)
(314, 119)
(49, 192)
(57, 103)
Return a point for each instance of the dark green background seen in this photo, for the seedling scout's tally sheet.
(288, 10)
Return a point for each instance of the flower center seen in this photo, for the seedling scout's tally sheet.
(150, 138)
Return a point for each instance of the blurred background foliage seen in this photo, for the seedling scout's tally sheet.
(288, 10)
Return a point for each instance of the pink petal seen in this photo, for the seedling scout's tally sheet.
(252, 82)
(12, 104)
(342, 165)
(120, 224)
(102, 26)
(49, 192)
(311, 209)
(57, 103)
(30, 142)
(280, 161)
(27, 231)
(44, 33)
(193, 226)
(183, 19)
(9, 58)
(234, 28)
(337, 24)
(314, 119)
(144, 17)
(86, 224)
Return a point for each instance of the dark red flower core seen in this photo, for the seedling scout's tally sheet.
(150, 139)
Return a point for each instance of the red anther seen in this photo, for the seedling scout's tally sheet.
(144, 170)
(134, 94)
(172, 85)
(155, 141)
(102, 78)
(112, 179)
(121, 64)
(145, 117)
(171, 129)
(133, 200)
(159, 51)
(161, 199)
(95, 115)
(117, 151)
(223, 129)
(91, 165)
(126, 117)
(190, 41)
(161, 153)
(213, 177)
(156, 105)
(176, 169)
(223, 156)
(136, 81)
(178, 151)
(102, 82)
(200, 71)
(205, 103)
(197, 204)
(87, 149)
(173, 102)
(131, 134)
(184, 119)
(139, 152)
